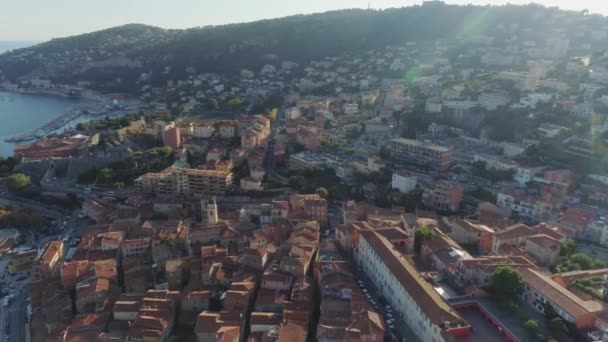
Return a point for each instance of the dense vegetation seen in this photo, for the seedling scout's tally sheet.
(122, 173)
(22, 218)
(17, 183)
(228, 48)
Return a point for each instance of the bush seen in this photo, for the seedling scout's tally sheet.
(17, 182)
(322, 192)
(532, 326)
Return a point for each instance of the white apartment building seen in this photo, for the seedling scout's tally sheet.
(524, 175)
(351, 109)
(433, 106)
(415, 301)
(493, 100)
(203, 131)
(523, 208)
(404, 181)
(459, 108)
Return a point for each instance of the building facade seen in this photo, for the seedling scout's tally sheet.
(420, 153)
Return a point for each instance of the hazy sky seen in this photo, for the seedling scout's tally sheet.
(45, 19)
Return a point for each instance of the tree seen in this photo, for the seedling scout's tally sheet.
(272, 115)
(567, 248)
(17, 182)
(294, 182)
(322, 192)
(578, 261)
(556, 326)
(506, 282)
(235, 103)
(532, 326)
(421, 235)
(212, 104)
(385, 153)
(105, 176)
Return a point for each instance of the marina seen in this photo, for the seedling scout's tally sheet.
(48, 127)
(29, 116)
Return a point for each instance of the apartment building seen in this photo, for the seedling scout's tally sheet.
(135, 247)
(404, 181)
(420, 153)
(540, 291)
(50, 258)
(22, 261)
(415, 301)
(493, 100)
(445, 196)
(185, 181)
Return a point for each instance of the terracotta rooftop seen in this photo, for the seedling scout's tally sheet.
(265, 318)
(514, 232)
(431, 303)
(558, 295)
(51, 251)
(293, 332)
(577, 217)
(544, 241)
(551, 231)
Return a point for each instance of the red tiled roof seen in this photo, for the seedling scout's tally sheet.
(51, 251)
(293, 332)
(544, 241)
(577, 217)
(431, 303)
(514, 232)
(558, 295)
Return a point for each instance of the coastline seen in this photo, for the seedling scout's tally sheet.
(85, 95)
(87, 103)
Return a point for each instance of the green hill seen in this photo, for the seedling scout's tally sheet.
(127, 51)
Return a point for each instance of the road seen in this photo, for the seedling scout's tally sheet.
(14, 316)
(17, 314)
(16, 202)
(399, 331)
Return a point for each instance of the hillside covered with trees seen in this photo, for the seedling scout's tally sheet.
(126, 52)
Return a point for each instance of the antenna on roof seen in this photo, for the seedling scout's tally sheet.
(369, 5)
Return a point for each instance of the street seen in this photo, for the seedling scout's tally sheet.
(395, 326)
(13, 313)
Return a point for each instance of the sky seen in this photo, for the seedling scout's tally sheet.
(39, 20)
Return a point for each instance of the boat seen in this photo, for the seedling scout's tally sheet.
(74, 93)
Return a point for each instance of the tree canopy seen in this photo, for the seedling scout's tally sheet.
(505, 283)
(421, 235)
(17, 182)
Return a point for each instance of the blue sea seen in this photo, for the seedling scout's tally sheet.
(7, 45)
(20, 113)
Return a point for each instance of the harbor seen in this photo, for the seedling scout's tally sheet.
(31, 114)
(48, 127)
